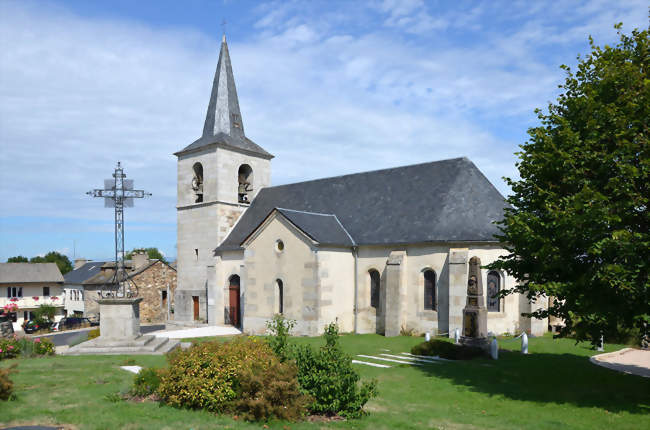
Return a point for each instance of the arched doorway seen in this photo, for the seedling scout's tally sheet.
(234, 311)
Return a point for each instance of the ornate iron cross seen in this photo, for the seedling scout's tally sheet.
(118, 193)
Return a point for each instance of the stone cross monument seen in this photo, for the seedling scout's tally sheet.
(475, 312)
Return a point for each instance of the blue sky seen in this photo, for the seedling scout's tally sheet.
(329, 88)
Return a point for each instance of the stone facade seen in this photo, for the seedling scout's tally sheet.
(156, 282)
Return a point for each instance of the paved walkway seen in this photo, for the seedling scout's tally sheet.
(628, 360)
(197, 332)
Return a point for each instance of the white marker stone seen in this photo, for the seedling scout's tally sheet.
(427, 336)
(456, 336)
(524, 343)
(494, 349)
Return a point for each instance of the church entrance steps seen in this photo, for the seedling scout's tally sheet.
(426, 357)
(385, 366)
(406, 357)
(411, 363)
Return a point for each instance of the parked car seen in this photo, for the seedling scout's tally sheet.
(31, 326)
(68, 323)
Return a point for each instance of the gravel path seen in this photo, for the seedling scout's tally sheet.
(628, 360)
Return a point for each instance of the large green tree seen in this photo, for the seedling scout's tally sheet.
(579, 228)
(62, 261)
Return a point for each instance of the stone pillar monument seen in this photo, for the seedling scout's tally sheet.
(457, 289)
(395, 292)
(475, 312)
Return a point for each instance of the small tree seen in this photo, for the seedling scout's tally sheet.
(579, 228)
(44, 313)
(152, 253)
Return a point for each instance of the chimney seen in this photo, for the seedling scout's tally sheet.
(139, 259)
(79, 262)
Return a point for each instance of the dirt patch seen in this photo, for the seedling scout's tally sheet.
(324, 418)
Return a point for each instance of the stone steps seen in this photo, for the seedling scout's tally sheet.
(141, 345)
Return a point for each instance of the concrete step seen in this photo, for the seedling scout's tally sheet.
(139, 345)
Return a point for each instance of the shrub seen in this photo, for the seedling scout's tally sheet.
(272, 392)
(327, 375)
(279, 330)
(223, 377)
(44, 314)
(43, 346)
(9, 347)
(92, 334)
(146, 382)
(447, 350)
(6, 385)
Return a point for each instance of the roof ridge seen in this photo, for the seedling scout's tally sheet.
(368, 171)
(305, 212)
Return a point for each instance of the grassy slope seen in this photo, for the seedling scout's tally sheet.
(553, 387)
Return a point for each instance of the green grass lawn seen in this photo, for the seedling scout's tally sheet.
(554, 387)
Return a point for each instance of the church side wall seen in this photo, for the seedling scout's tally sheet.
(435, 257)
(297, 266)
(336, 275)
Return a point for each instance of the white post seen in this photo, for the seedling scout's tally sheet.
(427, 336)
(494, 349)
(524, 343)
(601, 344)
(456, 335)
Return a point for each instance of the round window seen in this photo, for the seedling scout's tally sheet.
(279, 245)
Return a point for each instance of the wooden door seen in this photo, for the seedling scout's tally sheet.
(195, 299)
(234, 311)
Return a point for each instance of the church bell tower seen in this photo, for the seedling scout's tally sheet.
(219, 174)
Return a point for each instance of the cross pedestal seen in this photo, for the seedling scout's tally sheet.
(119, 329)
(119, 318)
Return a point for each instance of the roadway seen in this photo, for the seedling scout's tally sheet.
(74, 336)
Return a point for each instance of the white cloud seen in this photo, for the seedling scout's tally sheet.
(77, 94)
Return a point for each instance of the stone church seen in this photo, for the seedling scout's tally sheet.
(380, 251)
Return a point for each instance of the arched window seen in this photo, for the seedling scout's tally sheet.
(429, 289)
(245, 183)
(493, 288)
(375, 281)
(279, 296)
(197, 182)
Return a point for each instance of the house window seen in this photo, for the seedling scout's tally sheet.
(14, 292)
(245, 183)
(493, 288)
(46, 291)
(375, 281)
(279, 286)
(429, 290)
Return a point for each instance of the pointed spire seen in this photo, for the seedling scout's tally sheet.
(223, 110)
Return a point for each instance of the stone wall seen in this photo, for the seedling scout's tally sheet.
(152, 283)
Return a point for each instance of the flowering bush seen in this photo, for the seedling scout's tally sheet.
(43, 346)
(9, 348)
(15, 346)
(241, 376)
(10, 307)
(35, 298)
(13, 299)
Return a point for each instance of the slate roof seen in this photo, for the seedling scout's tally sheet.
(322, 228)
(30, 272)
(87, 271)
(441, 201)
(223, 122)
